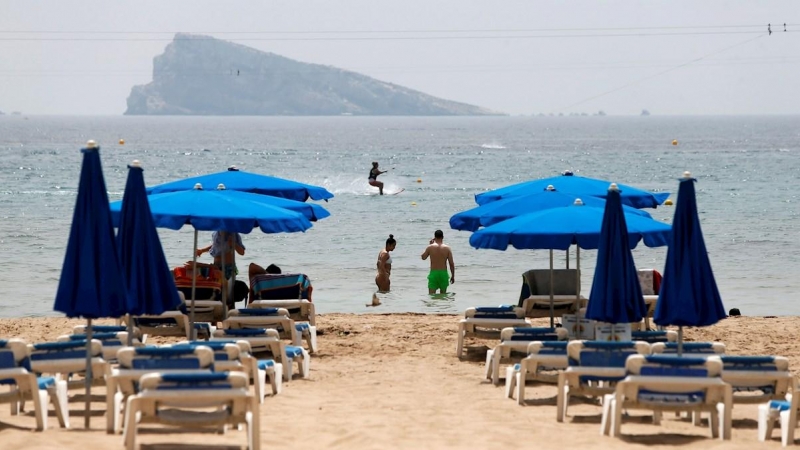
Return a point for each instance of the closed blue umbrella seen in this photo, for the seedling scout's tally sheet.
(92, 283)
(151, 287)
(237, 180)
(574, 184)
(217, 210)
(616, 295)
(559, 228)
(506, 208)
(689, 294)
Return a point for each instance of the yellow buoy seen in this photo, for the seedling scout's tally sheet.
(122, 142)
(674, 142)
(419, 180)
(413, 203)
(668, 202)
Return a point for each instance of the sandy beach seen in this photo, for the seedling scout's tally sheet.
(393, 381)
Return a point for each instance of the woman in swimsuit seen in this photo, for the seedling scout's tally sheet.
(373, 177)
(385, 265)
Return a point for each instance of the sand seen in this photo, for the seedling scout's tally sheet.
(393, 381)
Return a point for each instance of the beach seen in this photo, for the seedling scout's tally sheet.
(393, 381)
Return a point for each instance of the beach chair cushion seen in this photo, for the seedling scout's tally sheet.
(294, 286)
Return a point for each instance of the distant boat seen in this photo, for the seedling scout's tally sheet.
(645, 113)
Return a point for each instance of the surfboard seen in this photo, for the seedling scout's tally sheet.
(395, 193)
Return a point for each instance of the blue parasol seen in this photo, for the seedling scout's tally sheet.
(237, 180)
(217, 210)
(616, 295)
(689, 294)
(151, 286)
(574, 184)
(559, 228)
(506, 208)
(92, 283)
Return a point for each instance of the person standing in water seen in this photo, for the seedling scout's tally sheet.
(384, 265)
(373, 176)
(441, 256)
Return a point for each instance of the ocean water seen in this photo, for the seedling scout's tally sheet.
(748, 171)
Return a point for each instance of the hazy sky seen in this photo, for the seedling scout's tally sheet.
(519, 57)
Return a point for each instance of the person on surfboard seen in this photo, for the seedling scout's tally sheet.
(373, 177)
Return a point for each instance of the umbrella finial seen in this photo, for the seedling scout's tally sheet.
(550, 187)
(233, 169)
(220, 187)
(613, 187)
(91, 144)
(136, 163)
(687, 175)
(198, 186)
(567, 173)
(578, 202)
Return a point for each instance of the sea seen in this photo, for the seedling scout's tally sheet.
(747, 170)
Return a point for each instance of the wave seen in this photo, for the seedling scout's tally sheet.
(493, 146)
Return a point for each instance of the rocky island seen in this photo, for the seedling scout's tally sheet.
(200, 75)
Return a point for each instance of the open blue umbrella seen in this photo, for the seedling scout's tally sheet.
(574, 184)
(237, 180)
(151, 286)
(689, 294)
(217, 210)
(506, 208)
(92, 283)
(616, 295)
(559, 228)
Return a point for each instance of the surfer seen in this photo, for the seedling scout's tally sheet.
(373, 176)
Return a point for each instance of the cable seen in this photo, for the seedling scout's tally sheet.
(663, 72)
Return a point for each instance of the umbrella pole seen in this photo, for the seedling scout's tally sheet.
(130, 330)
(578, 278)
(680, 340)
(87, 401)
(224, 278)
(552, 300)
(194, 287)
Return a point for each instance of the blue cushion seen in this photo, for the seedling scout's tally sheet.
(533, 337)
(108, 328)
(165, 363)
(55, 346)
(55, 355)
(765, 363)
(7, 360)
(595, 358)
(165, 351)
(264, 364)
(553, 348)
(199, 377)
(688, 398)
(259, 311)
(3, 343)
(301, 326)
(649, 336)
(608, 345)
(495, 309)
(98, 336)
(479, 315)
(673, 371)
(673, 360)
(246, 332)
(690, 347)
(213, 345)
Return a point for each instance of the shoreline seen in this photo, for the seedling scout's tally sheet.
(392, 380)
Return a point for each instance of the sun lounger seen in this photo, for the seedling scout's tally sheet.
(184, 400)
(25, 385)
(782, 411)
(136, 362)
(276, 318)
(488, 322)
(513, 346)
(260, 372)
(81, 329)
(535, 292)
(111, 342)
(595, 368)
(171, 323)
(542, 356)
(66, 359)
(652, 337)
(690, 348)
(267, 340)
(289, 291)
(671, 383)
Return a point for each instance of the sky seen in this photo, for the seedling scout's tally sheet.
(516, 56)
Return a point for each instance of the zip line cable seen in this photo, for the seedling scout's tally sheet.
(671, 69)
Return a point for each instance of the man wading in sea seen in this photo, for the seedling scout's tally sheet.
(441, 255)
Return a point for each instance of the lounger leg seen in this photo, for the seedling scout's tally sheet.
(61, 402)
(489, 361)
(460, 343)
(787, 429)
(40, 402)
(277, 379)
(616, 409)
(305, 364)
(312, 341)
(766, 422)
(287, 375)
(560, 399)
(715, 419)
(522, 377)
(511, 379)
(131, 419)
(605, 421)
(254, 427)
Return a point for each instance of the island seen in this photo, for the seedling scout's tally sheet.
(201, 75)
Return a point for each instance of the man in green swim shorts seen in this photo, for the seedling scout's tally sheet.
(441, 256)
